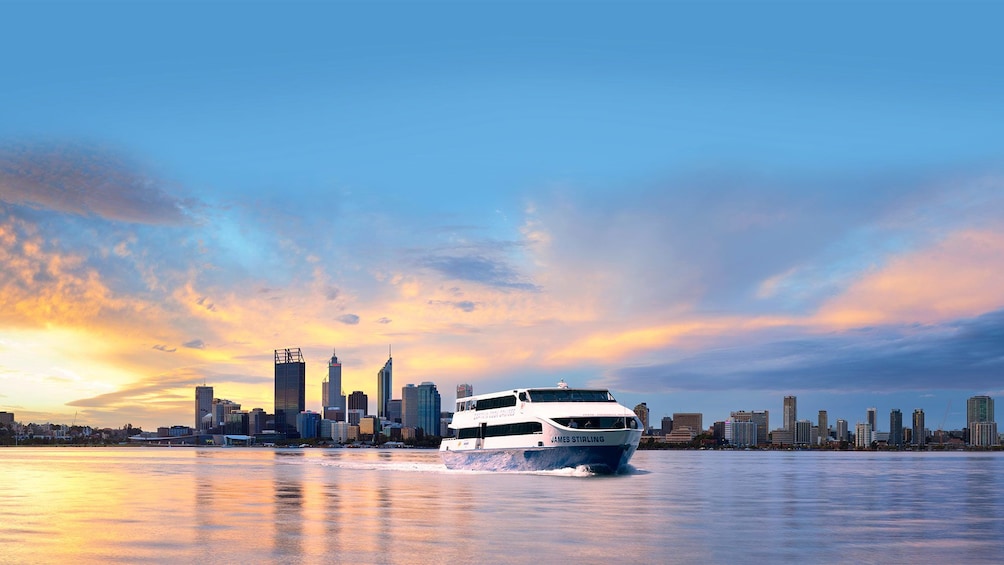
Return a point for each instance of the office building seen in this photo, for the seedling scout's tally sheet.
(257, 421)
(430, 407)
(803, 432)
(308, 424)
(895, 428)
(790, 413)
(237, 422)
(331, 388)
(409, 406)
(872, 419)
(464, 390)
(692, 420)
(667, 425)
(841, 429)
(221, 409)
(359, 401)
(641, 410)
(203, 405)
(394, 411)
(919, 435)
(823, 428)
(385, 384)
(290, 390)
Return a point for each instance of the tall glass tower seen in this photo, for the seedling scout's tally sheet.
(895, 428)
(203, 405)
(385, 384)
(429, 408)
(290, 390)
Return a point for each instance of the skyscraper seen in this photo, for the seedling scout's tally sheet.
(824, 428)
(790, 413)
(290, 389)
(359, 401)
(841, 429)
(430, 405)
(873, 419)
(464, 390)
(895, 428)
(641, 410)
(203, 405)
(919, 435)
(982, 427)
(331, 390)
(385, 383)
(409, 406)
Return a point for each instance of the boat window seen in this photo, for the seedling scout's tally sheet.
(570, 395)
(497, 402)
(596, 423)
(522, 397)
(517, 429)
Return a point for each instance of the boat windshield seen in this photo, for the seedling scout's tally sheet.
(598, 423)
(570, 395)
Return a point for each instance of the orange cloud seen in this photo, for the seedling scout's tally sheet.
(960, 276)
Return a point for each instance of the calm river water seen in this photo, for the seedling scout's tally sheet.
(241, 505)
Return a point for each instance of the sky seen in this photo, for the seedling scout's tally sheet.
(701, 206)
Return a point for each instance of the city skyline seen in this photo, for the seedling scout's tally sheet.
(699, 207)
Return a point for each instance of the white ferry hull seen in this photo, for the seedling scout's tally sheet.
(598, 458)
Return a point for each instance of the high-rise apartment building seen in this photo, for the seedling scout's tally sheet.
(790, 413)
(743, 433)
(982, 426)
(863, 435)
(203, 406)
(895, 428)
(385, 384)
(290, 389)
(331, 388)
(919, 435)
(641, 410)
(464, 391)
(980, 409)
(759, 417)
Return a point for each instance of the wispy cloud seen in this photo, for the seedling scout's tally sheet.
(478, 269)
(350, 319)
(86, 181)
(195, 344)
(164, 348)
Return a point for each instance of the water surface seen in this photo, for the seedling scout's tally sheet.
(148, 504)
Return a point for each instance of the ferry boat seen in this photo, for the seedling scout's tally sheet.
(542, 429)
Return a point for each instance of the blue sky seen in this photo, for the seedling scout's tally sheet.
(704, 206)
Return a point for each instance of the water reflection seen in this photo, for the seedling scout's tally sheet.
(402, 506)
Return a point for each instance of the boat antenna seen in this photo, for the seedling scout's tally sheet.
(562, 384)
